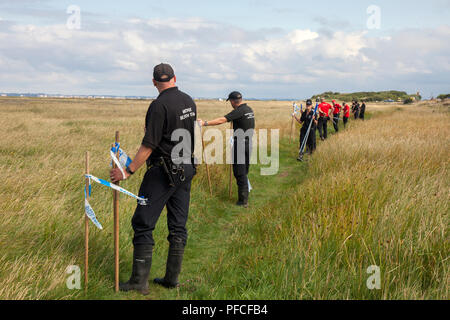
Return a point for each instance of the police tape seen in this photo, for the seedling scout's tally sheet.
(90, 212)
(297, 109)
(88, 209)
(123, 161)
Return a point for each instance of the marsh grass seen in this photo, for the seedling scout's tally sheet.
(376, 193)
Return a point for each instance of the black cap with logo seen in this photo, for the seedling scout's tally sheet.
(308, 102)
(234, 96)
(163, 72)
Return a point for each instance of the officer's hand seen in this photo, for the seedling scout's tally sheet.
(116, 175)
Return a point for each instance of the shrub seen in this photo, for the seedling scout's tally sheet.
(444, 96)
(408, 100)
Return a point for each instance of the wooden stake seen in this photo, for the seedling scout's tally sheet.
(86, 230)
(231, 165)
(206, 163)
(116, 227)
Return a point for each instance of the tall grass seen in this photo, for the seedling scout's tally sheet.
(377, 194)
(374, 194)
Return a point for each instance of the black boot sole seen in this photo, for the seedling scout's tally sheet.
(163, 283)
(125, 287)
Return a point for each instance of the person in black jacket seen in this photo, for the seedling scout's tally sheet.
(173, 110)
(362, 110)
(355, 109)
(243, 120)
(305, 119)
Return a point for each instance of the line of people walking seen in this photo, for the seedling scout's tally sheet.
(320, 120)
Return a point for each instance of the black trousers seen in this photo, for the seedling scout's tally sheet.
(361, 115)
(356, 114)
(310, 142)
(345, 121)
(155, 187)
(322, 126)
(241, 162)
(336, 122)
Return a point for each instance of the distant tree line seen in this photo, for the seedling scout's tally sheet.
(369, 96)
(444, 96)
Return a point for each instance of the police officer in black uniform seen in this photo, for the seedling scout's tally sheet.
(167, 182)
(362, 110)
(243, 126)
(355, 109)
(305, 119)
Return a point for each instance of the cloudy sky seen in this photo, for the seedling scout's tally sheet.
(265, 49)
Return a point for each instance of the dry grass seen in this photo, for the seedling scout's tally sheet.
(385, 202)
(376, 194)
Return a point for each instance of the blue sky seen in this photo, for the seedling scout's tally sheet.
(266, 49)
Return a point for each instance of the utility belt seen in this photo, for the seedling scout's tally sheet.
(174, 172)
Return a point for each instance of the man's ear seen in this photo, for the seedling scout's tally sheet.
(174, 79)
(154, 82)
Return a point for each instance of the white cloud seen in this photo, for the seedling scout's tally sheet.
(117, 58)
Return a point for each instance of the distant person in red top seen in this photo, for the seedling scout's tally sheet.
(336, 115)
(324, 109)
(346, 113)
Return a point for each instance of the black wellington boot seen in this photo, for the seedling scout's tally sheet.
(142, 261)
(173, 266)
(242, 197)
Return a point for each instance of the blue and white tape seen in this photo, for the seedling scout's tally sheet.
(124, 161)
(116, 187)
(88, 209)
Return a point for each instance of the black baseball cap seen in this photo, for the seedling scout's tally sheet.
(308, 102)
(163, 72)
(234, 96)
